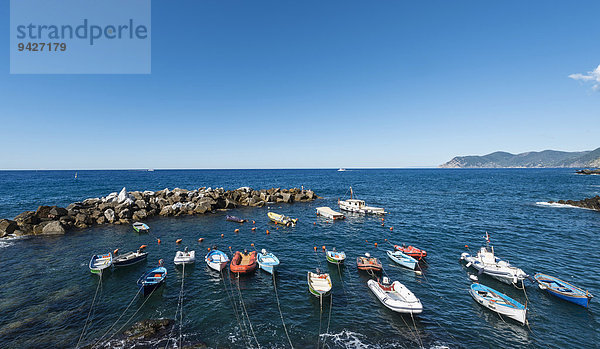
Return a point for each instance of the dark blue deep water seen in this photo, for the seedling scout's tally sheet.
(46, 288)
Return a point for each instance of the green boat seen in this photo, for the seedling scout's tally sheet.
(319, 284)
(141, 227)
(100, 262)
(335, 257)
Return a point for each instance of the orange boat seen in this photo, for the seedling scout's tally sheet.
(368, 263)
(411, 251)
(243, 262)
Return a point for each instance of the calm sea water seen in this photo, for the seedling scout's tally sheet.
(47, 288)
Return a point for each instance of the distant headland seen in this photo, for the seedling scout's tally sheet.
(541, 159)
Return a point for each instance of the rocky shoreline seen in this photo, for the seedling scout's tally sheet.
(588, 172)
(126, 207)
(589, 203)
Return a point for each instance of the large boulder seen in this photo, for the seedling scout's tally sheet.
(91, 201)
(53, 228)
(110, 215)
(140, 215)
(57, 212)
(140, 203)
(81, 220)
(202, 207)
(43, 213)
(37, 229)
(7, 227)
(27, 217)
(125, 214)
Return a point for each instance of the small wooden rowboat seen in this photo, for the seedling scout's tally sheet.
(100, 262)
(243, 262)
(267, 261)
(563, 290)
(319, 284)
(281, 219)
(368, 263)
(402, 259)
(216, 260)
(141, 227)
(185, 257)
(335, 257)
(498, 302)
(235, 219)
(395, 296)
(130, 258)
(412, 251)
(152, 279)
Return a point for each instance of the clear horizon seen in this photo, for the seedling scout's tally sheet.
(272, 84)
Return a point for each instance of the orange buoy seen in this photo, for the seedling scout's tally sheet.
(467, 246)
(253, 222)
(366, 240)
(315, 248)
(275, 223)
(236, 231)
(314, 223)
(158, 241)
(253, 228)
(268, 232)
(391, 228)
(142, 247)
(222, 235)
(385, 239)
(323, 248)
(252, 244)
(208, 249)
(178, 241)
(277, 228)
(375, 244)
(382, 219)
(201, 239)
(116, 251)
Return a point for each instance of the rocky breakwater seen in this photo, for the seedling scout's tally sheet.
(126, 207)
(588, 172)
(589, 203)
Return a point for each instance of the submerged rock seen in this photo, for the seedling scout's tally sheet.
(7, 227)
(589, 203)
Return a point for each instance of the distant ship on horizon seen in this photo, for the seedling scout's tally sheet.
(341, 170)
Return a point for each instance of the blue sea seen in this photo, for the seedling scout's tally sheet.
(47, 288)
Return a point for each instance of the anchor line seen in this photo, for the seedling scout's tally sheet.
(281, 314)
(83, 331)
(237, 317)
(330, 306)
(113, 325)
(178, 310)
(132, 316)
(246, 312)
(320, 316)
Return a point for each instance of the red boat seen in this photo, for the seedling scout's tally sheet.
(411, 251)
(243, 262)
(368, 263)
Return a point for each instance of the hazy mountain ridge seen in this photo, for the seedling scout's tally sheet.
(546, 158)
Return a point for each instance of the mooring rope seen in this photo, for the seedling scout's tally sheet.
(179, 311)
(280, 313)
(113, 325)
(83, 331)
(330, 306)
(134, 314)
(320, 316)
(246, 312)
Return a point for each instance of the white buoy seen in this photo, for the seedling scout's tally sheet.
(473, 277)
(468, 264)
(418, 272)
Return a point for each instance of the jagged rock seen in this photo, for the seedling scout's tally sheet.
(202, 207)
(287, 198)
(140, 215)
(110, 215)
(24, 229)
(137, 195)
(53, 228)
(27, 217)
(166, 211)
(37, 229)
(81, 220)
(101, 220)
(57, 212)
(140, 203)
(7, 227)
(125, 214)
(122, 195)
(91, 201)
(149, 328)
(111, 197)
(43, 212)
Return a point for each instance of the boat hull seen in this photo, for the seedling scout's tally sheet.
(335, 257)
(507, 275)
(402, 259)
(322, 291)
(132, 261)
(216, 260)
(563, 290)
(239, 266)
(512, 309)
(152, 280)
(183, 258)
(369, 264)
(394, 300)
(267, 262)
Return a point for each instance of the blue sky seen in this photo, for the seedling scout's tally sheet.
(294, 84)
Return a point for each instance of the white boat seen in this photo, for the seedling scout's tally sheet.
(329, 213)
(319, 284)
(185, 257)
(402, 259)
(341, 170)
(487, 263)
(359, 206)
(498, 302)
(396, 296)
(267, 261)
(216, 259)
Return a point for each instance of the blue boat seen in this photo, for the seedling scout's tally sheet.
(402, 259)
(152, 279)
(267, 261)
(563, 290)
(216, 259)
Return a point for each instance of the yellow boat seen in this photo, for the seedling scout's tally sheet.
(281, 219)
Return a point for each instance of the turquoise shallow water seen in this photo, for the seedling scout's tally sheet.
(47, 288)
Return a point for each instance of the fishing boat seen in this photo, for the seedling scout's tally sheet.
(402, 259)
(359, 206)
(235, 219)
(216, 259)
(412, 251)
(243, 262)
(100, 262)
(281, 219)
(367, 262)
(184, 257)
(487, 263)
(498, 302)
(395, 296)
(319, 284)
(130, 258)
(563, 290)
(152, 279)
(341, 170)
(267, 261)
(141, 227)
(329, 213)
(335, 257)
